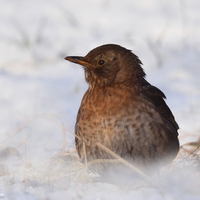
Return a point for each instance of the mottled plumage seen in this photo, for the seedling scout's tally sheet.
(122, 111)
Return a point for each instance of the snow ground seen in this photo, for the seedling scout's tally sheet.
(40, 92)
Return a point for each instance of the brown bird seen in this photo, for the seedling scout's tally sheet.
(123, 112)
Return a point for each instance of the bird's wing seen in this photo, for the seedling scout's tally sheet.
(157, 97)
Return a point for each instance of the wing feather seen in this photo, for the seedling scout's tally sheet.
(157, 97)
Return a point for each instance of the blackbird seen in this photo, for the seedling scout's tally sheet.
(122, 112)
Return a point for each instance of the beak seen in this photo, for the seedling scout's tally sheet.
(79, 60)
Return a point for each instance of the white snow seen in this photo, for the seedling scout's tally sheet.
(40, 92)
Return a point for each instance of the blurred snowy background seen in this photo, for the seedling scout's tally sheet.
(40, 92)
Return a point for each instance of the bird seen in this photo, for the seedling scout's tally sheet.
(122, 112)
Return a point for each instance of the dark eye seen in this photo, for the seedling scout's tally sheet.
(101, 62)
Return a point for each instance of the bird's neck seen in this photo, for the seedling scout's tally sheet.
(112, 93)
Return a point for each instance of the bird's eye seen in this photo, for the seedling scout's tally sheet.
(101, 62)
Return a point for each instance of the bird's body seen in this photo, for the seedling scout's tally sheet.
(123, 112)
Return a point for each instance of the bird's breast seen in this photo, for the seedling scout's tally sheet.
(105, 104)
(104, 114)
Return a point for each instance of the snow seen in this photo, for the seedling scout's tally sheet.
(40, 92)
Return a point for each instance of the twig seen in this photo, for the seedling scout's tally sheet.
(122, 160)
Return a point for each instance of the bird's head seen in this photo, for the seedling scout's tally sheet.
(110, 64)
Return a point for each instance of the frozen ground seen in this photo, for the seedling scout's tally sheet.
(40, 92)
